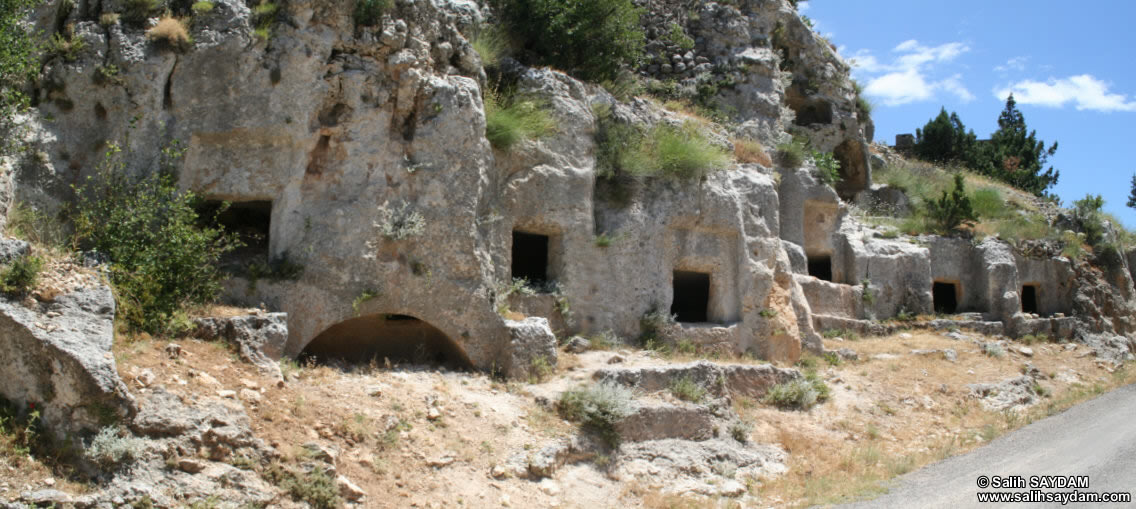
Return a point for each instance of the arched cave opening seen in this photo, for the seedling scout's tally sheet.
(401, 339)
(945, 297)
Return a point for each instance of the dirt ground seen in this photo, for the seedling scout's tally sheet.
(420, 437)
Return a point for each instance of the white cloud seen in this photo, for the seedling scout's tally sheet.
(954, 85)
(802, 6)
(1084, 91)
(1013, 64)
(906, 79)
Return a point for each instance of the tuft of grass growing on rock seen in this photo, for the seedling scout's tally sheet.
(751, 152)
(799, 394)
(491, 44)
(510, 120)
(600, 407)
(792, 154)
(688, 390)
(171, 33)
(202, 7)
(676, 152)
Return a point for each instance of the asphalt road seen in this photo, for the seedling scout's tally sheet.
(1096, 439)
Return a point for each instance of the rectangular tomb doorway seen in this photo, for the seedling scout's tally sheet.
(820, 267)
(530, 257)
(691, 296)
(249, 221)
(1029, 299)
(945, 297)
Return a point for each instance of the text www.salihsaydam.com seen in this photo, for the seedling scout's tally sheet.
(1061, 497)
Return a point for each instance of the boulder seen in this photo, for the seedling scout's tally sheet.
(259, 337)
(532, 346)
(57, 358)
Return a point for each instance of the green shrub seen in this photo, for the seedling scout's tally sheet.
(600, 407)
(112, 447)
(138, 11)
(592, 39)
(202, 7)
(951, 210)
(827, 167)
(740, 431)
(1087, 213)
(994, 350)
(688, 390)
(654, 325)
(370, 12)
(316, 487)
(162, 258)
(677, 35)
(19, 64)
(800, 394)
(20, 276)
(510, 120)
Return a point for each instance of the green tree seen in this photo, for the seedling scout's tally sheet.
(1016, 156)
(952, 210)
(1132, 194)
(592, 39)
(945, 139)
(162, 257)
(18, 62)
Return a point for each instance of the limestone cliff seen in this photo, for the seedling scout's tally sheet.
(336, 132)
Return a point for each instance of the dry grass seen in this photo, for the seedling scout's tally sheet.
(891, 416)
(171, 32)
(751, 152)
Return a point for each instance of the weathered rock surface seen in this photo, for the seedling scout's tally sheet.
(1011, 394)
(685, 466)
(57, 358)
(717, 379)
(11, 249)
(259, 338)
(532, 347)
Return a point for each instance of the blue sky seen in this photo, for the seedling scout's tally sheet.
(1071, 71)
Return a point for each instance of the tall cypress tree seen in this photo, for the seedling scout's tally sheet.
(1016, 156)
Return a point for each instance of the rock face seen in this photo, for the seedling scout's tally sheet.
(57, 358)
(365, 150)
(260, 338)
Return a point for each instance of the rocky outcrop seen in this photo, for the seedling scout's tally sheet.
(719, 380)
(57, 360)
(259, 338)
(342, 128)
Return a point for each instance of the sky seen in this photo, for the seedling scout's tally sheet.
(1071, 71)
